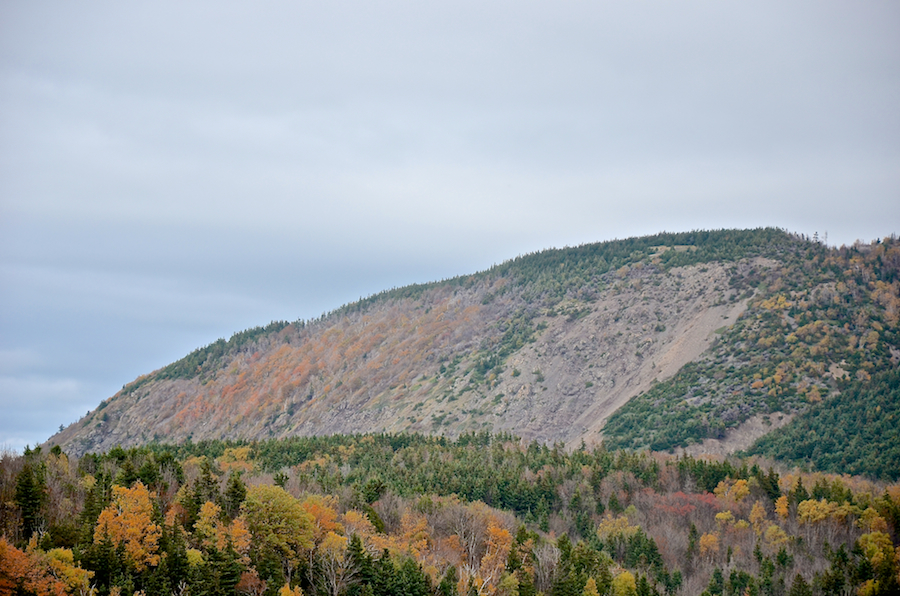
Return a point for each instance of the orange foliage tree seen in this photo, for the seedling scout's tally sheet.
(128, 521)
(43, 574)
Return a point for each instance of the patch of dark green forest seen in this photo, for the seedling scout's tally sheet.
(855, 432)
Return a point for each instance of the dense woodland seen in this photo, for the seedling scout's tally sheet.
(417, 515)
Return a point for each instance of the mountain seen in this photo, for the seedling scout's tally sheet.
(708, 338)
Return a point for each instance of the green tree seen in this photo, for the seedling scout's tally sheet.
(235, 493)
(447, 587)
(800, 587)
(281, 528)
(30, 496)
(412, 581)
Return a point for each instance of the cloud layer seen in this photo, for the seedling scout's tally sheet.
(176, 172)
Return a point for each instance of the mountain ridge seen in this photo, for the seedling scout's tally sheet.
(546, 346)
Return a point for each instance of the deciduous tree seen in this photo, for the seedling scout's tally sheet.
(279, 525)
(128, 521)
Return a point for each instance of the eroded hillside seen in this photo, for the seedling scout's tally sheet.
(546, 346)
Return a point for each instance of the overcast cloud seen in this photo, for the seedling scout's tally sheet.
(173, 172)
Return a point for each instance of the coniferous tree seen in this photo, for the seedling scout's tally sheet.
(101, 558)
(31, 496)
(235, 493)
(411, 580)
(716, 585)
(447, 587)
(385, 581)
(800, 587)
(173, 544)
(798, 493)
(361, 561)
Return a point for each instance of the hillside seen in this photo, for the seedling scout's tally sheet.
(695, 334)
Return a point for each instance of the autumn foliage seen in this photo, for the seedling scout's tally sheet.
(349, 517)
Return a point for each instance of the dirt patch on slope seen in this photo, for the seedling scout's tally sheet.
(740, 437)
(645, 327)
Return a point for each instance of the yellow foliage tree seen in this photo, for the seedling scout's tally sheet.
(709, 545)
(615, 526)
(128, 521)
(414, 533)
(781, 506)
(358, 523)
(775, 536)
(493, 563)
(590, 588)
(812, 511)
(877, 547)
(724, 518)
(212, 533)
(61, 562)
(870, 521)
(278, 524)
(287, 590)
(734, 490)
(332, 558)
(758, 517)
(205, 527)
(236, 458)
(194, 557)
(624, 585)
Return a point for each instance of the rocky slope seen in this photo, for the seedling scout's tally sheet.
(547, 346)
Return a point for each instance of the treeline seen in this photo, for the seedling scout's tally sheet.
(408, 514)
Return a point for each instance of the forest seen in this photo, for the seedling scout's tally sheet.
(406, 514)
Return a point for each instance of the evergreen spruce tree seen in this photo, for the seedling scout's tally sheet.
(127, 474)
(157, 582)
(30, 497)
(447, 587)
(235, 493)
(384, 583)
(101, 558)
(716, 585)
(412, 581)
(361, 561)
(798, 493)
(800, 587)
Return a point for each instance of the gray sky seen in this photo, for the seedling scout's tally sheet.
(173, 172)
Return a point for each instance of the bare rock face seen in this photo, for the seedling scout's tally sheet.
(642, 330)
(412, 364)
